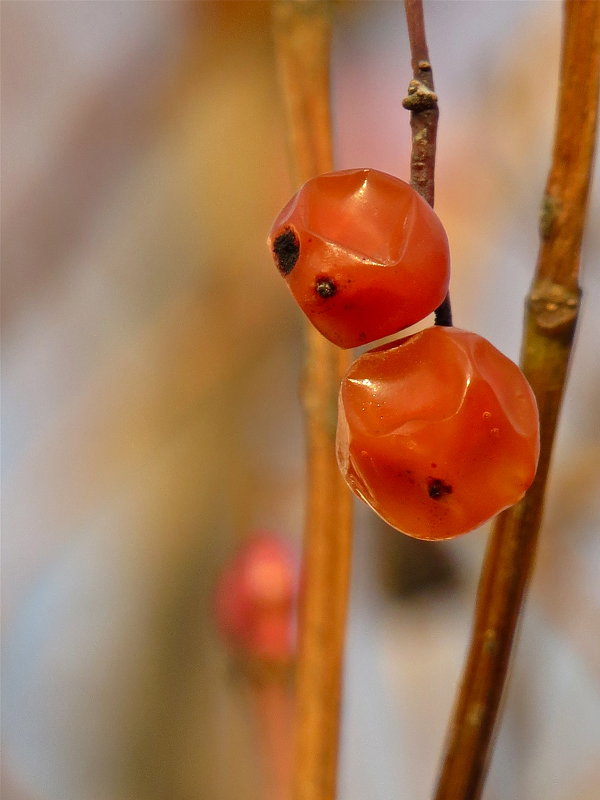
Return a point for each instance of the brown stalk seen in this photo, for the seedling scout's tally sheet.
(302, 37)
(422, 102)
(551, 315)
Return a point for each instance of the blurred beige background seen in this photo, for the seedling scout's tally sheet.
(150, 359)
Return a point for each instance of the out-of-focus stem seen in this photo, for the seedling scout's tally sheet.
(422, 102)
(302, 36)
(551, 315)
(272, 706)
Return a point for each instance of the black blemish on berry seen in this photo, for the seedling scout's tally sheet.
(286, 249)
(325, 287)
(436, 488)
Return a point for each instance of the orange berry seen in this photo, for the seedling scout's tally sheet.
(363, 254)
(437, 432)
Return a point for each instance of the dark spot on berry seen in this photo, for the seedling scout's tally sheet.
(436, 488)
(286, 249)
(407, 475)
(325, 287)
(433, 466)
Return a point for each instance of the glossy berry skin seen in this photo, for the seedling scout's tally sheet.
(363, 254)
(437, 432)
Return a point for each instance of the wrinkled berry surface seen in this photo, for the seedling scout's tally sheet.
(437, 432)
(362, 253)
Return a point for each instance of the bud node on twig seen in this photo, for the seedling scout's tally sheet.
(554, 308)
(420, 97)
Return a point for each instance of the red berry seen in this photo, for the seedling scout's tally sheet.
(255, 599)
(363, 254)
(437, 432)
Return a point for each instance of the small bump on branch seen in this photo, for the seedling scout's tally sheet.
(420, 97)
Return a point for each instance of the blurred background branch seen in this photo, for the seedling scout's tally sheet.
(302, 32)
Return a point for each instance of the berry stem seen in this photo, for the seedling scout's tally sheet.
(422, 102)
(550, 320)
(443, 313)
(302, 43)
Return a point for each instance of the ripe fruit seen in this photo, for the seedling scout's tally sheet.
(255, 600)
(363, 254)
(437, 432)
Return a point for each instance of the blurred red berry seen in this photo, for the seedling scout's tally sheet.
(256, 598)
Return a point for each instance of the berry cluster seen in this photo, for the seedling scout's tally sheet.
(437, 431)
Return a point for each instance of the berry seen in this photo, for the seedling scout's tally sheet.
(363, 254)
(437, 432)
(256, 597)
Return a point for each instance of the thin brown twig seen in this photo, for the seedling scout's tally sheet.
(422, 102)
(302, 36)
(551, 315)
